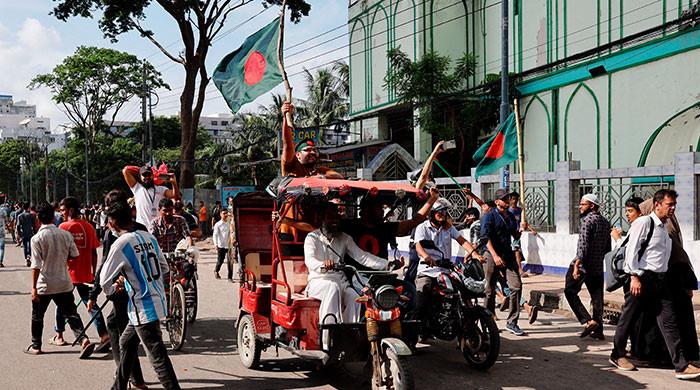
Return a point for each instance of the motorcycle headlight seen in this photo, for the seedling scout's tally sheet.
(386, 297)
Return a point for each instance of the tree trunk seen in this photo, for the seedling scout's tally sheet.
(189, 129)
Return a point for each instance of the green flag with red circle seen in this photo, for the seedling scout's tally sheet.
(500, 150)
(251, 70)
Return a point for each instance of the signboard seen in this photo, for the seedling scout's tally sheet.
(311, 133)
(227, 191)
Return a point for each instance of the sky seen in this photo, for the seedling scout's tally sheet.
(33, 42)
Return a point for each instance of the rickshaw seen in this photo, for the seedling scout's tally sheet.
(274, 308)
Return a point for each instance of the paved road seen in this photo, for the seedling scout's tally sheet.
(550, 357)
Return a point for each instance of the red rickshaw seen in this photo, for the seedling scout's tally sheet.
(274, 309)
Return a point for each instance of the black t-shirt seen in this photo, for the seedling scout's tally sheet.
(375, 239)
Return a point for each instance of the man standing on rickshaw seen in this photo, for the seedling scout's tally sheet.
(323, 249)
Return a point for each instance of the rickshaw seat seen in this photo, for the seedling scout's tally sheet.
(262, 272)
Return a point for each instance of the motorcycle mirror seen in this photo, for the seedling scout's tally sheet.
(427, 244)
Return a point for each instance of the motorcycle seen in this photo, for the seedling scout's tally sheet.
(455, 313)
(381, 293)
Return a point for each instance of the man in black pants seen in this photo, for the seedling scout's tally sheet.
(647, 290)
(221, 235)
(51, 249)
(118, 319)
(587, 268)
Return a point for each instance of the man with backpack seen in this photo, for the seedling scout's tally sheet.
(587, 267)
(646, 261)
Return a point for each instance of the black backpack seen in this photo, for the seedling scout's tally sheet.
(615, 276)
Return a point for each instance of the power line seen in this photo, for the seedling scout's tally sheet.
(448, 21)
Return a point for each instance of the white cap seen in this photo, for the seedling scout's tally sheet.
(591, 198)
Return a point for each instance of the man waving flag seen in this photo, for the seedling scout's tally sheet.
(250, 70)
(500, 150)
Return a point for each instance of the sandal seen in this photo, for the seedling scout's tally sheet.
(103, 347)
(32, 351)
(140, 386)
(86, 351)
(54, 341)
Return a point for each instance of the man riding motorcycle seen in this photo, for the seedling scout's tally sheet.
(438, 230)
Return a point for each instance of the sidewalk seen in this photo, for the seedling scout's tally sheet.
(548, 291)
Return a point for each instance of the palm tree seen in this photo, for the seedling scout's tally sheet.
(327, 95)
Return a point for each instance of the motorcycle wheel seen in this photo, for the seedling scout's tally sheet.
(396, 371)
(191, 299)
(177, 323)
(481, 342)
(249, 347)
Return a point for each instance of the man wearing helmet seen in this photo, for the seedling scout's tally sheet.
(441, 233)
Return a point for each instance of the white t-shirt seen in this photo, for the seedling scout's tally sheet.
(51, 248)
(147, 200)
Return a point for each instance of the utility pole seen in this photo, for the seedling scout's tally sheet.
(505, 105)
(65, 160)
(31, 192)
(150, 129)
(144, 96)
(87, 171)
(22, 169)
(46, 169)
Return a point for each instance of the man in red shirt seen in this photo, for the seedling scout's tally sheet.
(82, 268)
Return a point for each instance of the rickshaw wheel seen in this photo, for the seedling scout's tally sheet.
(398, 369)
(177, 324)
(249, 347)
(191, 300)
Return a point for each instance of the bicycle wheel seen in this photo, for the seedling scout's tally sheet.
(177, 324)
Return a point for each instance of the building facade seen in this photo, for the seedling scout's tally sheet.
(609, 92)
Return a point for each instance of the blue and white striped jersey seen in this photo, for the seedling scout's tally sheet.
(138, 258)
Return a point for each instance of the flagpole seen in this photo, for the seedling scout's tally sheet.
(521, 159)
(280, 63)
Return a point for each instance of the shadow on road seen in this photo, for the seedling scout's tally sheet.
(14, 293)
(211, 336)
(561, 362)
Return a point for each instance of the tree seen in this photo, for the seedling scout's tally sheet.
(436, 89)
(11, 151)
(327, 98)
(94, 82)
(198, 23)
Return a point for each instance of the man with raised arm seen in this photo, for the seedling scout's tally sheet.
(300, 160)
(147, 194)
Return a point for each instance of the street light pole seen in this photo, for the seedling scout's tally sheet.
(505, 105)
(46, 170)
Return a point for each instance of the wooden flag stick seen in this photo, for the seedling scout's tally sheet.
(280, 63)
(521, 158)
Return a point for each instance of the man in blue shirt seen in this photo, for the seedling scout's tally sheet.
(497, 228)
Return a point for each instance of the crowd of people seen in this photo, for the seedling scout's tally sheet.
(61, 240)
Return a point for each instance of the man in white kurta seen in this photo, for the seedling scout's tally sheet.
(327, 246)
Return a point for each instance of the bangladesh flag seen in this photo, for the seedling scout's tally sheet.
(500, 150)
(251, 70)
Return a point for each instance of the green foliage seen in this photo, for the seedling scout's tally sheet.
(437, 90)
(10, 152)
(327, 98)
(94, 81)
(167, 133)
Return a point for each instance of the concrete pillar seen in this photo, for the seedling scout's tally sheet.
(477, 187)
(565, 194)
(685, 184)
(422, 142)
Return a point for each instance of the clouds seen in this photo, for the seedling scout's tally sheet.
(30, 50)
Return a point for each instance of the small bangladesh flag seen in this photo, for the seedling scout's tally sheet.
(500, 150)
(251, 70)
